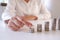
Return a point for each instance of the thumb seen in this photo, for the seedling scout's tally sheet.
(28, 24)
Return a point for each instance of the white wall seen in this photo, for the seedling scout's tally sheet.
(54, 7)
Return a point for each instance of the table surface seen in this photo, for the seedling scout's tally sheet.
(11, 35)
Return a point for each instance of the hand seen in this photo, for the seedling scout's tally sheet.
(30, 17)
(15, 24)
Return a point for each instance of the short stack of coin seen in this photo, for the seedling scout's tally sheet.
(47, 26)
(39, 27)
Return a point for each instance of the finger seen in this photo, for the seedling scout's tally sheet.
(28, 23)
(25, 22)
(13, 26)
(19, 24)
(12, 23)
(20, 19)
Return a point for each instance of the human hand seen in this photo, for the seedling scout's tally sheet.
(15, 24)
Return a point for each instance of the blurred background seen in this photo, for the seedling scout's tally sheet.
(52, 5)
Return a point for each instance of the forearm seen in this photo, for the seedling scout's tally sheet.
(30, 17)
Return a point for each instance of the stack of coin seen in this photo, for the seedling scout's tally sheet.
(59, 24)
(39, 27)
(54, 24)
(46, 26)
(32, 30)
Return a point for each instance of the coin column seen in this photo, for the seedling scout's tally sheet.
(54, 24)
(59, 24)
(46, 26)
(39, 27)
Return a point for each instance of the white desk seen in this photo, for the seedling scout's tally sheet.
(10, 35)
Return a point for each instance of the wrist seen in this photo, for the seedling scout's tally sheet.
(6, 21)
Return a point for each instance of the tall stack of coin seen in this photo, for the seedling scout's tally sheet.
(54, 24)
(46, 26)
(39, 27)
(59, 24)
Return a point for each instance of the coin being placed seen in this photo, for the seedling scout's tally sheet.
(32, 30)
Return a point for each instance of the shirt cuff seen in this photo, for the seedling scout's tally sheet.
(6, 16)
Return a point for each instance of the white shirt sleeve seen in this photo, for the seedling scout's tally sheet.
(45, 14)
(10, 10)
